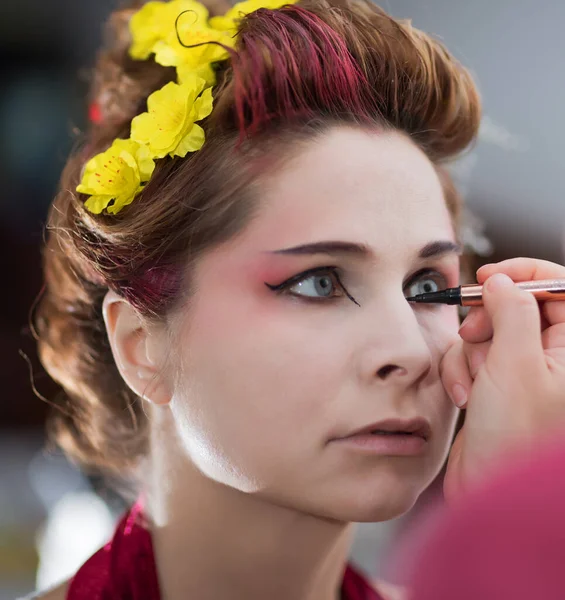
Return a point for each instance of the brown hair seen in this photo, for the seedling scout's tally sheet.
(295, 72)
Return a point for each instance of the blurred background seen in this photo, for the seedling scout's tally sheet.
(511, 182)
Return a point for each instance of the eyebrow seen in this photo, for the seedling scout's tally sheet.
(430, 250)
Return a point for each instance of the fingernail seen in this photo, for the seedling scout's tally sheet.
(459, 395)
(498, 281)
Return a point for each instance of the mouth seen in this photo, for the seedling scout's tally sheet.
(416, 427)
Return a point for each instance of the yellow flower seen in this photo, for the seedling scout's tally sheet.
(230, 21)
(169, 125)
(155, 21)
(186, 72)
(117, 175)
(192, 29)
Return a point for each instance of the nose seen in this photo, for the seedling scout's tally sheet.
(398, 352)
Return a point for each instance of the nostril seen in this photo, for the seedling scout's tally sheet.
(385, 371)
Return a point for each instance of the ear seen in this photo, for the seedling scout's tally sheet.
(139, 351)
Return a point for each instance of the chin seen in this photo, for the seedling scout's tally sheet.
(382, 507)
(368, 505)
(384, 511)
(388, 494)
(369, 513)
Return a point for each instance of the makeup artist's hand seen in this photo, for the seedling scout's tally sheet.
(510, 365)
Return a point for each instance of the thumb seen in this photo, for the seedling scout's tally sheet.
(516, 321)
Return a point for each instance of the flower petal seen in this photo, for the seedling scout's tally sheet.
(154, 21)
(96, 204)
(230, 21)
(147, 26)
(122, 201)
(193, 86)
(114, 174)
(163, 126)
(145, 162)
(199, 45)
(203, 106)
(205, 71)
(165, 54)
(190, 143)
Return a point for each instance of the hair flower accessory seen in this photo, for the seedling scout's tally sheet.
(169, 126)
(155, 21)
(192, 42)
(230, 21)
(116, 175)
(178, 34)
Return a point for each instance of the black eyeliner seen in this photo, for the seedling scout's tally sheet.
(299, 277)
(304, 275)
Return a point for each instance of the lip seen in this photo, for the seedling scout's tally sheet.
(417, 426)
(400, 437)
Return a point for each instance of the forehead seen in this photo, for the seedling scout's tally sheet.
(373, 187)
(370, 187)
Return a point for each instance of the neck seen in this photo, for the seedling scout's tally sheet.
(213, 541)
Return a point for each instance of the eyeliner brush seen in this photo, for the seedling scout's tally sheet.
(472, 295)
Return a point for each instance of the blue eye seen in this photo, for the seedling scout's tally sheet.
(320, 283)
(317, 286)
(427, 281)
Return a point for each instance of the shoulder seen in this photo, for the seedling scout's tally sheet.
(388, 591)
(58, 592)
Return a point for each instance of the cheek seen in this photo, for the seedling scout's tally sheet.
(250, 381)
(440, 326)
(266, 376)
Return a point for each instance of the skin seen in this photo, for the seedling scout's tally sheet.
(249, 492)
(510, 363)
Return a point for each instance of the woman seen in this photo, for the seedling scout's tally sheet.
(225, 300)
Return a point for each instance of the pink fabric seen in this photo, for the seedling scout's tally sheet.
(125, 568)
(506, 541)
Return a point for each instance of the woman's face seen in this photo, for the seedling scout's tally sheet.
(287, 349)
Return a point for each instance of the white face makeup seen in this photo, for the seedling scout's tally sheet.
(285, 352)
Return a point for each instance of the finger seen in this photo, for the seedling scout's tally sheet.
(455, 377)
(453, 482)
(522, 269)
(530, 269)
(516, 321)
(476, 354)
(554, 337)
(477, 326)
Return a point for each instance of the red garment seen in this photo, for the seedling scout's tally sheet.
(125, 568)
(505, 541)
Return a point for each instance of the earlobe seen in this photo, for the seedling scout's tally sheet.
(130, 340)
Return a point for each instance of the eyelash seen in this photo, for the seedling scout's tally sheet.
(430, 272)
(332, 270)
